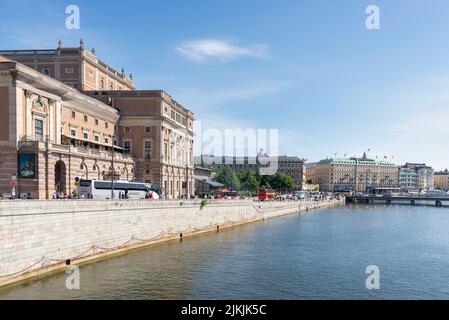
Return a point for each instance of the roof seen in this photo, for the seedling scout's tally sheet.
(211, 182)
(3, 59)
(353, 161)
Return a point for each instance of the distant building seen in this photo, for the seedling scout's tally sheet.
(416, 177)
(262, 163)
(355, 174)
(310, 172)
(441, 180)
(203, 181)
(293, 167)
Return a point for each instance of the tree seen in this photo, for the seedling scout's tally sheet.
(281, 182)
(229, 178)
(249, 180)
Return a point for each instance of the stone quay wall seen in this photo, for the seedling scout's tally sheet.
(40, 236)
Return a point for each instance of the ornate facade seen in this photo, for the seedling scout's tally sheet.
(48, 135)
(158, 131)
(76, 67)
(355, 174)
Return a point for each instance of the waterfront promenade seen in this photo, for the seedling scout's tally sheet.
(40, 236)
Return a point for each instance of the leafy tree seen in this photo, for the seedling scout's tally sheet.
(282, 182)
(249, 180)
(229, 178)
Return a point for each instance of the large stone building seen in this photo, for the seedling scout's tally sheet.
(355, 174)
(262, 163)
(416, 177)
(61, 113)
(441, 180)
(50, 133)
(158, 132)
(76, 67)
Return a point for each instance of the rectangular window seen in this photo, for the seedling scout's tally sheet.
(97, 138)
(85, 135)
(73, 114)
(147, 129)
(127, 129)
(73, 132)
(106, 140)
(96, 122)
(127, 147)
(147, 149)
(106, 125)
(39, 129)
(85, 118)
(165, 151)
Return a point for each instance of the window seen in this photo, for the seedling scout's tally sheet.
(73, 132)
(102, 84)
(165, 151)
(39, 129)
(96, 122)
(85, 135)
(68, 69)
(97, 138)
(127, 147)
(147, 129)
(85, 118)
(73, 114)
(106, 140)
(147, 149)
(46, 71)
(127, 129)
(106, 125)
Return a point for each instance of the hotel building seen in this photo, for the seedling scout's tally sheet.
(355, 174)
(59, 121)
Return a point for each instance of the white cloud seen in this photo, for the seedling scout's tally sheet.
(203, 49)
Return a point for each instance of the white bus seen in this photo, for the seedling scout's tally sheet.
(101, 189)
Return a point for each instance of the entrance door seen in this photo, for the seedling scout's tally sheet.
(60, 177)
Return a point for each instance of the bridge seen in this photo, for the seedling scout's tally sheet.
(408, 199)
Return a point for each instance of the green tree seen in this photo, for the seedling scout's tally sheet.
(282, 182)
(249, 180)
(229, 178)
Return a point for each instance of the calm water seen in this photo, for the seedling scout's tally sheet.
(319, 255)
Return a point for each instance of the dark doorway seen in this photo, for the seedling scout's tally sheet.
(60, 177)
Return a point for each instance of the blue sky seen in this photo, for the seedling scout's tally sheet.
(308, 68)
